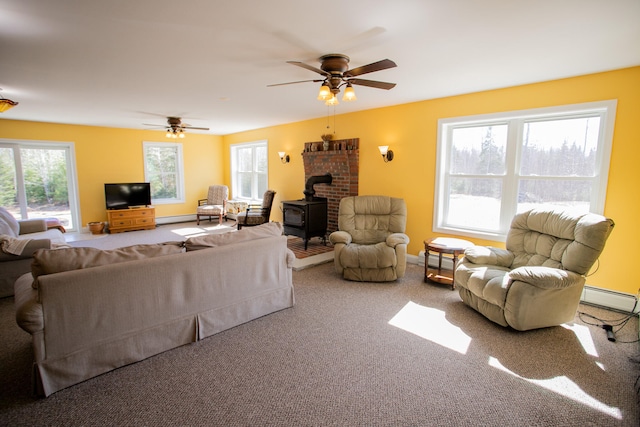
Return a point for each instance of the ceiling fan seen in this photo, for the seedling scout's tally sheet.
(175, 128)
(334, 68)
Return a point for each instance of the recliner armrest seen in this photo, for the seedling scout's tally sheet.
(397, 239)
(488, 255)
(340, 237)
(546, 277)
(28, 226)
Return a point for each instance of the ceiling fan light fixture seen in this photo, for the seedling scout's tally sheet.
(349, 94)
(324, 93)
(332, 101)
(6, 104)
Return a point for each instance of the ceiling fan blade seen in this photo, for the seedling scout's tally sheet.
(375, 66)
(309, 67)
(372, 83)
(292, 83)
(193, 127)
(157, 126)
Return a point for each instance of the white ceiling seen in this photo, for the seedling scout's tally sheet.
(122, 63)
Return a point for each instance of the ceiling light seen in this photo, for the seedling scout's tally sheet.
(175, 132)
(6, 104)
(332, 101)
(349, 93)
(324, 93)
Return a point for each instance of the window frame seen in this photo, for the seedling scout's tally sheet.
(72, 177)
(256, 195)
(179, 164)
(515, 120)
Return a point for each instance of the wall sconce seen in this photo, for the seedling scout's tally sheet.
(284, 157)
(387, 154)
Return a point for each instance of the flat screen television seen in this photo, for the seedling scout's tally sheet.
(127, 195)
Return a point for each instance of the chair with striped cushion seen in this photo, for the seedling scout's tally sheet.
(214, 205)
(258, 214)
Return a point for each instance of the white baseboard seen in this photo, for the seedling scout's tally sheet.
(175, 219)
(614, 300)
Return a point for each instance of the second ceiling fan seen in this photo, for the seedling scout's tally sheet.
(175, 128)
(335, 70)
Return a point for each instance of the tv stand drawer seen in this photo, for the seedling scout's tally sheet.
(131, 219)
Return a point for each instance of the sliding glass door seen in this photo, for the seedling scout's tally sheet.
(37, 180)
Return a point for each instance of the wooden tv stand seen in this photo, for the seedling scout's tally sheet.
(142, 218)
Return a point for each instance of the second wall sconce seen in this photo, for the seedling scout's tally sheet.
(387, 154)
(284, 157)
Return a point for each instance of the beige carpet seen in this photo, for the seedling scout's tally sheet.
(351, 354)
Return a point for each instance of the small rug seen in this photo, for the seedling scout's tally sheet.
(315, 246)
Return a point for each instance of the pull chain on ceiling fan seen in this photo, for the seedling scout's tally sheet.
(334, 68)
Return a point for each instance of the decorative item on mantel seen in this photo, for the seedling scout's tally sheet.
(326, 138)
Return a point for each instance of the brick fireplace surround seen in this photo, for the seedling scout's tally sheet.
(342, 162)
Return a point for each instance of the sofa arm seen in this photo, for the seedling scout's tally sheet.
(546, 277)
(28, 226)
(28, 250)
(396, 239)
(340, 237)
(488, 255)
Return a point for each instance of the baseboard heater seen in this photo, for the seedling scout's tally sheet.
(175, 219)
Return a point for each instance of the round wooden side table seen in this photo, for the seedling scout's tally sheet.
(443, 245)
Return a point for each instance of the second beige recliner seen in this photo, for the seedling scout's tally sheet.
(537, 281)
(370, 245)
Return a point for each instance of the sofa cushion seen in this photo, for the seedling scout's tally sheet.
(8, 224)
(212, 240)
(52, 261)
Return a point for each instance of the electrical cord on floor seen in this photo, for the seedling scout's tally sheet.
(611, 326)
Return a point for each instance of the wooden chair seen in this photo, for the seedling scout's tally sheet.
(257, 214)
(214, 205)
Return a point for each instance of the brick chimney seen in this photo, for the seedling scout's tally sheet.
(342, 162)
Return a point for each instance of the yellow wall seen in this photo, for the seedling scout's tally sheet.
(115, 155)
(410, 131)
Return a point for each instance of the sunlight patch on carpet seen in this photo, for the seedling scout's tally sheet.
(431, 324)
(564, 387)
(583, 334)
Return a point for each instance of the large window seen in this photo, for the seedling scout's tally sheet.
(493, 166)
(163, 169)
(38, 180)
(249, 171)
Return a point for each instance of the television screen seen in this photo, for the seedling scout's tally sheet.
(126, 195)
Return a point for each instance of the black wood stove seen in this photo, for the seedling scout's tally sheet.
(307, 218)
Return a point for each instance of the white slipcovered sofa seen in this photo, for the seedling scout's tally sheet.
(91, 311)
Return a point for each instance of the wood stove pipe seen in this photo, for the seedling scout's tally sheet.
(309, 192)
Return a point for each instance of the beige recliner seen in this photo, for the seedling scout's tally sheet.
(370, 245)
(537, 280)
